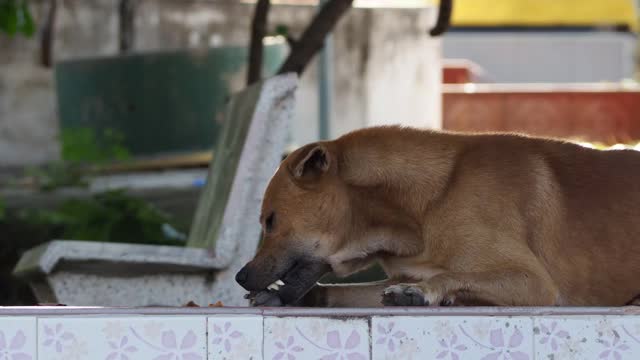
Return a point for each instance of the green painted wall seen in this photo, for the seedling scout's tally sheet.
(161, 102)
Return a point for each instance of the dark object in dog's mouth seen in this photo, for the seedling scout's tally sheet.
(292, 286)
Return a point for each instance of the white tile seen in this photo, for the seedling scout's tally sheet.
(299, 338)
(452, 338)
(18, 338)
(122, 338)
(235, 337)
(587, 337)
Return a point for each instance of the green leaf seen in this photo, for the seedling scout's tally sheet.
(15, 17)
(112, 216)
(10, 22)
(86, 145)
(28, 26)
(282, 30)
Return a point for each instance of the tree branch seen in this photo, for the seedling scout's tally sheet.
(258, 32)
(126, 17)
(312, 40)
(48, 30)
(444, 18)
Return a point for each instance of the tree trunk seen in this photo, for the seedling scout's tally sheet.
(313, 37)
(258, 32)
(126, 17)
(48, 32)
(444, 18)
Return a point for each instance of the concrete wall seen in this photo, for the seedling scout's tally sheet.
(387, 69)
(512, 57)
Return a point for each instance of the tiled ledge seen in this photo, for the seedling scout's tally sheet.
(292, 333)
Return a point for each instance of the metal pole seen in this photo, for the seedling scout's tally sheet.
(325, 85)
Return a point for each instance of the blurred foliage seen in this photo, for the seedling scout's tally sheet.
(82, 145)
(281, 30)
(112, 216)
(82, 151)
(15, 18)
(58, 174)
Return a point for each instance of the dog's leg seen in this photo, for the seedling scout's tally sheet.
(346, 295)
(330, 295)
(500, 288)
(635, 301)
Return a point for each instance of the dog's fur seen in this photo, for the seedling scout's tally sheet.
(492, 219)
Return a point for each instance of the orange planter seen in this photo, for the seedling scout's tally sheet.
(598, 113)
(456, 75)
(460, 71)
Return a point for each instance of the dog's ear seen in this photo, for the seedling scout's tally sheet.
(311, 162)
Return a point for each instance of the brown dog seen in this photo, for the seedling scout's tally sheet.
(492, 219)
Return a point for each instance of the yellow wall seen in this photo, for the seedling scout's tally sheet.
(543, 12)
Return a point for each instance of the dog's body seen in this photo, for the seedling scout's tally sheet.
(470, 219)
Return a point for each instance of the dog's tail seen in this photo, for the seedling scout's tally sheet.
(444, 18)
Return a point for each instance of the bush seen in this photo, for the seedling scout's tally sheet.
(15, 18)
(112, 216)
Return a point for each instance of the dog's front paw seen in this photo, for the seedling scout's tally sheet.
(403, 295)
(265, 298)
(414, 295)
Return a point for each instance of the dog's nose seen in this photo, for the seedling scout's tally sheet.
(242, 275)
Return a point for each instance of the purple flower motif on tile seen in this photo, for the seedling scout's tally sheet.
(14, 349)
(552, 334)
(120, 350)
(57, 337)
(388, 336)
(224, 335)
(184, 352)
(613, 349)
(344, 351)
(506, 351)
(451, 348)
(287, 349)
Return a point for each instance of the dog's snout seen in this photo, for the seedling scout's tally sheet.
(242, 276)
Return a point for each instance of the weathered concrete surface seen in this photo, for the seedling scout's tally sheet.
(404, 84)
(387, 69)
(161, 289)
(114, 258)
(111, 274)
(28, 123)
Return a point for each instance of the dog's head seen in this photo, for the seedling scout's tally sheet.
(305, 219)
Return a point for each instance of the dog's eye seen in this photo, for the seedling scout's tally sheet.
(269, 222)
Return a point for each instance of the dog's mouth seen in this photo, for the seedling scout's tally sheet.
(298, 280)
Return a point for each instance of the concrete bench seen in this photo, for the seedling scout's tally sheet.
(224, 235)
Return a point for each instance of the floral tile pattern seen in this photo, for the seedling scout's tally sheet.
(291, 338)
(601, 337)
(251, 336)
(114, 338)
(18, 338)
(452, 338)
(235, 337)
